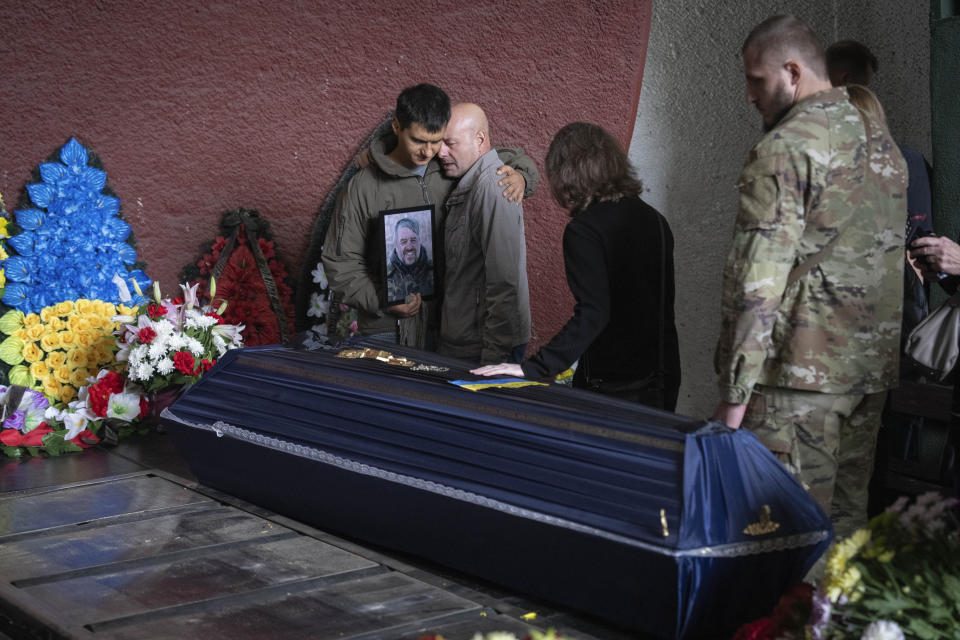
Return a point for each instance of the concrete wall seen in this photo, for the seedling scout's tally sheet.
(694, 129)
(199, 107)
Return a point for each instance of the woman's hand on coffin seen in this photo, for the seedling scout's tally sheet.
(730, 414)
(408, 309)
(502, 369)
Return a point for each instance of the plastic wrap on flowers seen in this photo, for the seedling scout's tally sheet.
(68, 240)
(249, 274)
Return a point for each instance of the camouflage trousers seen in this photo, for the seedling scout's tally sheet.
(827, 441)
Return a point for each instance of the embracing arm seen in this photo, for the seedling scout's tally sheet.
(519, 174)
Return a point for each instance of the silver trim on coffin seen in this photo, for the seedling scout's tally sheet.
(731, 550)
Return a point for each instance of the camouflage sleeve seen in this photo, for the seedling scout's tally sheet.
(766, 240)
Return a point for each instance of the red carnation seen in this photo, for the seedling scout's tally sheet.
(112, 380)
(156, 311)
(184, 362)
(146, 335)
(98, 397)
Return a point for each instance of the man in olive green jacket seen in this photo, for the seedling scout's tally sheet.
(403, 172)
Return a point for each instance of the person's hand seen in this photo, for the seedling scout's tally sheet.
(730, 414)
(362, 159)
(514, 183)
(408, 309)
(936, 254)
(502, 369)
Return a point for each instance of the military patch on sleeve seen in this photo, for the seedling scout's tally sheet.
(759, 186)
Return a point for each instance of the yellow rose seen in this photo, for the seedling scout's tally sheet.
(79, 377)
(63, 308)
(62, 374)
(31, 320)
(31, 352)
(47, 314)
(76, 358)
(68, 338)
(105, 355)
(51, 387)
(39, 370)
(56, 324)
(83, 306)
(78, 323)
(50, 341)
(67, 394)
(87, 339)
(56, 359)
(35, 332)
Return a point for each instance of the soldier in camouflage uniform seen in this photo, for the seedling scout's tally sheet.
(812, 286)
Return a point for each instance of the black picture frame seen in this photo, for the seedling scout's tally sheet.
(402, 277)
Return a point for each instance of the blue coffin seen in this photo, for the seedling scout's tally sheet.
(653, 521)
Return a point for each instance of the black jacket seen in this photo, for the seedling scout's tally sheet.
(613, 260)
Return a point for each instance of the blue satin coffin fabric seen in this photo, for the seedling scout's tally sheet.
(635, 515)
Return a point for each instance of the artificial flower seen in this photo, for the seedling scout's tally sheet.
(72, 243)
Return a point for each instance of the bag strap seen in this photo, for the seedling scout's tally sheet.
(807, 265)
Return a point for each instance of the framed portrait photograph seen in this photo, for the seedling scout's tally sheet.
(408, 253)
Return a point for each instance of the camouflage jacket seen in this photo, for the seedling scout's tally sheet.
(836, 328)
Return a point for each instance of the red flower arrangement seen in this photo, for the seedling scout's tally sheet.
(240, 280)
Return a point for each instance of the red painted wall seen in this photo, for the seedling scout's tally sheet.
(195, 108)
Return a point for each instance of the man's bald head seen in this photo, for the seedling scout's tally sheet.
(779, 39)
(466, 139)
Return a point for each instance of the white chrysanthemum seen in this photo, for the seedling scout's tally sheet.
(144, 371)
(138, 354)
(318, 306)
(199, 321)
(195, 346)
(163, 327)
(165, 366)
(882, 630)
(158, 349)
